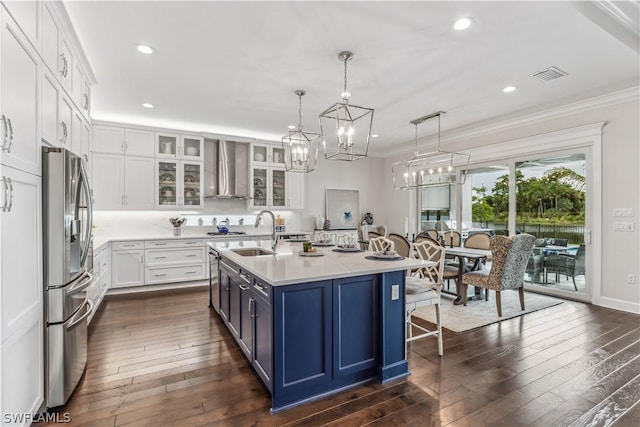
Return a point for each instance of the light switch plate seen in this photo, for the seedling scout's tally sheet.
(622, 226)
(618, 212)
(395, 292)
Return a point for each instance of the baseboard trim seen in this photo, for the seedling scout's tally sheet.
(617, 304)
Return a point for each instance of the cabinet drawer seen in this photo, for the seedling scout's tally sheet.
(159, 244)
(262, 290)
(175, 256)
(125, 246)
(175, 274)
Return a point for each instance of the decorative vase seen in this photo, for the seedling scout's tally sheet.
(177, 231)
(319, 222)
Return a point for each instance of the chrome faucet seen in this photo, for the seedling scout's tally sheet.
(273, 225)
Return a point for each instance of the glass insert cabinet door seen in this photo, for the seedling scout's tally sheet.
(192, 148)
(278, 185)
(277, 155)
(167, 145)
(260, 182)
(191, 177)
(167, 183)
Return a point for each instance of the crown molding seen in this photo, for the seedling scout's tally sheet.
(466, 134)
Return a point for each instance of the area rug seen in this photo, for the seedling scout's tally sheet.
(476, 314)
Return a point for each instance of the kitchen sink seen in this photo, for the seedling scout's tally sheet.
(252, 252)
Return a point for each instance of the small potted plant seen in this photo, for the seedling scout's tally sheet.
(177, 223)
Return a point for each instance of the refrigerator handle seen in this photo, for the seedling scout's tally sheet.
(81, 285)
(89, 225)
(82, 318)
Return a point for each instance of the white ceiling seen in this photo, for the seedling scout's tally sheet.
(232, 67)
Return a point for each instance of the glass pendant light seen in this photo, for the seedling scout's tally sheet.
(431, 169)
(300, 147)
(346, 128)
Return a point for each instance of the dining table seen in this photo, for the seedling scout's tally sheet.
(468, 259)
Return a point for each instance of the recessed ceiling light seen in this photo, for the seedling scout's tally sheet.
(375, 135)
(143, 48)
(147, 105)
(291, 127)
(509, 89)
(463, 24)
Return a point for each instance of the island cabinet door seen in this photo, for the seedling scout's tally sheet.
(223, 280)
(234, 320)
(262, 340)
(245, 329)
(356, 314)
(302, 351)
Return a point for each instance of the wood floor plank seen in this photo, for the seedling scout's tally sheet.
(165, 358)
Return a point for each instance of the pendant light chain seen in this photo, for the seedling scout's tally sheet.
(299, 111)
(344, 93)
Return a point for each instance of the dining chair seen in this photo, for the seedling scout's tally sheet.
(425, 290)
(402, 245)
(510, 257)
(424, 236)
(380, 244)
(452, 238)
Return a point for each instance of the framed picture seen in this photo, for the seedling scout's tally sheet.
(343, 209)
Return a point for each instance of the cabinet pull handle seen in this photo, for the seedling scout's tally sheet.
(249, 308)
(243, 287)
(122, 200)
(159, 275)
(159, 244)
(10, 195)
(159, 257)
(61, 62)
(128, 246)
(10, 135)
(191, 272)
(190, 256)
(6, 132)
(190, 243)
(63, 125)
(6, 193)
(126, 199)
(85, 101)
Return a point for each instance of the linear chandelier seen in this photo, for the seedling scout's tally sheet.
(431, 169)
(300, 147)
(346, 128)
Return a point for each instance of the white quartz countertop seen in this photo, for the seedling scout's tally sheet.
(98, 241)
(287, 267)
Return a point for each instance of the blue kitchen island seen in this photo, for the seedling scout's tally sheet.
(313, 326)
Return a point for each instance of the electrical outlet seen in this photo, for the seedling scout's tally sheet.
(622, 226)
(395, 292)
(631, 279)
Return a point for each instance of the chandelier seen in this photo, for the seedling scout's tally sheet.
(301, 147)
(346, 128)
(431, 169)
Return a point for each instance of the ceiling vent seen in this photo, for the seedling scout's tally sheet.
(549, 74)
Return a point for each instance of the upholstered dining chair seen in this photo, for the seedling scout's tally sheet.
(401, 244)
(452, 236)
(425, 290)
(381, 243)
(510, 257)
(424, 236)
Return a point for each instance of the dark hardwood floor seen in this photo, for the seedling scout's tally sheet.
(165, 358)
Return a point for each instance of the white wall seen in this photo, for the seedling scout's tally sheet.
(365, 175)
(620, 186)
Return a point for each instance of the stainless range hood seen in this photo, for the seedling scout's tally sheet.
(226, 168)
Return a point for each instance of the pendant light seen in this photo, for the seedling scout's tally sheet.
(430, 169)
(346, 128)
(300, 147)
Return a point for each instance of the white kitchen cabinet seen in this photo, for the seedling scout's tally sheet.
(77, 80)
(127, 267)
(178, 184)
(138, 142)
(175, 261)
(267, 155)
(50, 37)
(19, 144)
(25, 13)
(108, 181)
(139, 183)
(108, 139)
(65, 122)
(174, 146)
(295, 188)
(21, 299)
(85, 104)
(66, 63)
(269, 187)
(123, 182)
(113, 139)
(50, 107)
(101, 277)
(86, 145)
(76, 132)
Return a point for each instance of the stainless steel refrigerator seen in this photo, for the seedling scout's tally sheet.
(67, 247)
